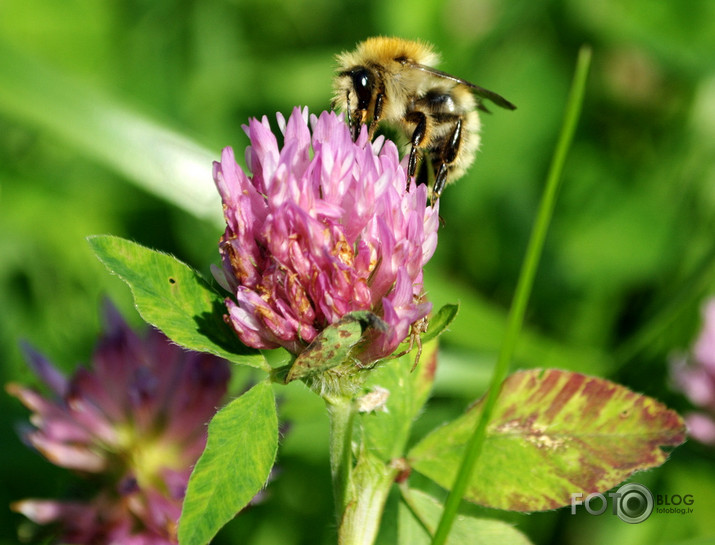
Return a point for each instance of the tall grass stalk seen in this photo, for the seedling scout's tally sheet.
(521, 295)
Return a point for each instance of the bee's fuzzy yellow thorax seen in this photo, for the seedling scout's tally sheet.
(384, 50)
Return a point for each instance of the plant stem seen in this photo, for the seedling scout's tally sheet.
(521, 296)
(372, 481)
(341, 413)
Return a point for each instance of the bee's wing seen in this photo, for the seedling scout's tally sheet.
(476, 89)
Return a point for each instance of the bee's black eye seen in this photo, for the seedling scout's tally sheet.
(363, 84)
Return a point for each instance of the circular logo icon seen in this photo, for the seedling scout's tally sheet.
(634, 503)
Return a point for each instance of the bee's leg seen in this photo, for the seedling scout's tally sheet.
(356, 118)
(376, 113)
(354, 123)
(418, 136)
(348, 114)
(440, 180)
(447, 156)
(379, 103)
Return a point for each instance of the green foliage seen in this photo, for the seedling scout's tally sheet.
(552, 433)
(239, 455)
(174, 298)
(333, 346)
(387, 423)
(101, 102)
(419, 514)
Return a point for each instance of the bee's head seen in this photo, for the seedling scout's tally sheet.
(355, 94)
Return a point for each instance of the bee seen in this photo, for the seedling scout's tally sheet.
(394, 81)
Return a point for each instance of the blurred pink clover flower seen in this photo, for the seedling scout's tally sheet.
(135, 421)
(694, 375)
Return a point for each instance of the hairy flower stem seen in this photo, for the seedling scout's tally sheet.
(342, 414)
(372, 481)
(360, 489)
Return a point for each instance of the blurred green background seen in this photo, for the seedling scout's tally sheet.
(111, 113)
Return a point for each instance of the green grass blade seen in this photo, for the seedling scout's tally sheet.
(154, 157)
(521, 297)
